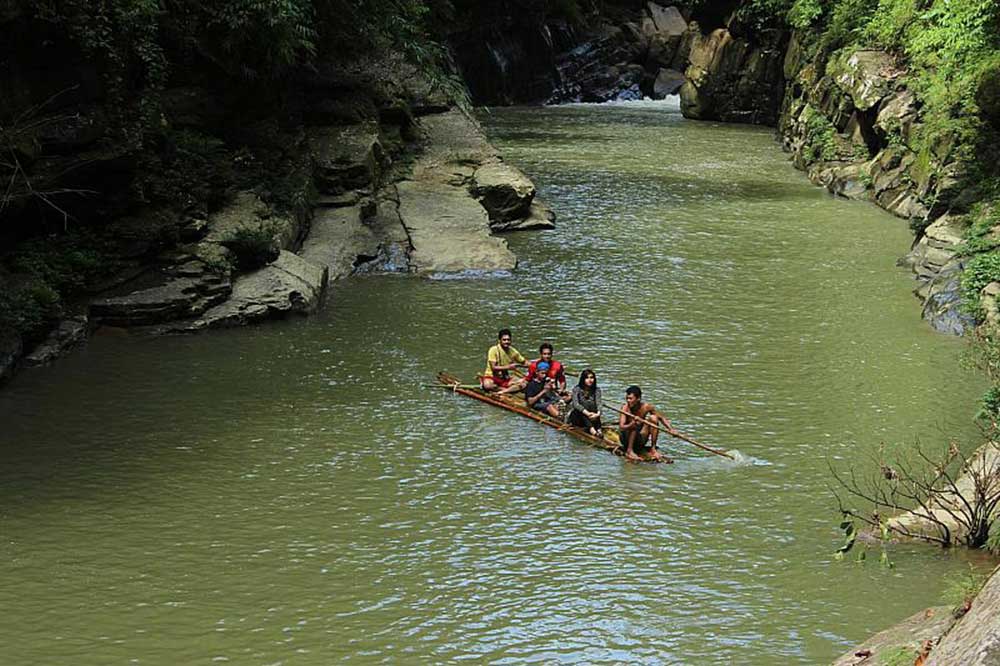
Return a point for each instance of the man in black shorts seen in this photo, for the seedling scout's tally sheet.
(540, 391)
(637, 426)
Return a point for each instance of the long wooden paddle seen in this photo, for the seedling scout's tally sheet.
(674, 433)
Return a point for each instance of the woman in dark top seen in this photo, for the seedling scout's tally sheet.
(586, 412)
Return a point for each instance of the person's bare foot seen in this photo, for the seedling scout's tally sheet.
(630, 455)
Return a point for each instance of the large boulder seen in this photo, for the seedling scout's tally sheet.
(897, 113)
(942, 296)
(668, 82)
(540, 217)
(730, 79)
(666, 21)
(867, 76)
(504, 191)
(346, 158)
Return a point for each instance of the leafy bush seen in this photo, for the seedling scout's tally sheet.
(979, 272)
(28, 309)
(804, 12)
(252, 247)
(820, 137)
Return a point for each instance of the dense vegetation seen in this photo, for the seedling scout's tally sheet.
(118, 64)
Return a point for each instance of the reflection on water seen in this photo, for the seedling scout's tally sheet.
(290, 494)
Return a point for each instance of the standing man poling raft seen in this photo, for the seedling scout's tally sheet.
(639, 436)
(500, 360)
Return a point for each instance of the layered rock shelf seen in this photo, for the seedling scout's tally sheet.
(432, 204)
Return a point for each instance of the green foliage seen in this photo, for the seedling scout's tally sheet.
(763, 14)
(252, 247)
(979, 272)
(191, 172)
(820, 137)
(980, 235)
(804, 12)
(37, 280)
(891, 23)
(28, 309)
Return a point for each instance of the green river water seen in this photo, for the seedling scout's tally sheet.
(289, 494)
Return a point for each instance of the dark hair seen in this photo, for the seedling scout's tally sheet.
(583, 378)
(545, 345)
(503, 332)
(634, 390)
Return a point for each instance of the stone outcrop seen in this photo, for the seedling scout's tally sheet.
(732, 78)
(289, 285)
(975, 639)
(174, 298)
(643, 56)
(347, 158)
(848, 123)
(69, 333)
(910, 636)
(504, 191)
(449, 230)
(940, 635)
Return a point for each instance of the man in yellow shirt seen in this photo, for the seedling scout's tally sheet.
(500, 360)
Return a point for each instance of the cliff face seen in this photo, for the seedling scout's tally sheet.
(848, 122)
(734, 73)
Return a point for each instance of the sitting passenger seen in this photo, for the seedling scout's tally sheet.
(540, 392)
(586, 403)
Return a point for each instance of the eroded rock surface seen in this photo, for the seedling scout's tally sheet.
(289, 285)
(909, 636)
(449, 230)
(70, 332)
(975, 639)
(175, 298)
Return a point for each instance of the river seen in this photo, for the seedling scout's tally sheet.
(291, 494)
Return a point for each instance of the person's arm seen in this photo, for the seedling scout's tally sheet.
(493, 359)
(626, 422)
(575, 402)
(597, 401)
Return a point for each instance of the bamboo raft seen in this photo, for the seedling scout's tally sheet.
(515, 403)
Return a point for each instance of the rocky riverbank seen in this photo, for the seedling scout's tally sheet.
(383, 175)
